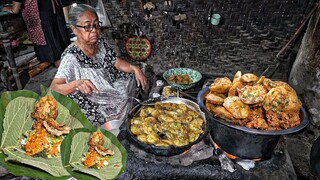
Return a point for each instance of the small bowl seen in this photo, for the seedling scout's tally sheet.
(193, 74)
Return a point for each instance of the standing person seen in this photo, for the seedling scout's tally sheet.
(89, 66)
(46, 27)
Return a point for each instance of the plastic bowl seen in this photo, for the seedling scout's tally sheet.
(193, 74)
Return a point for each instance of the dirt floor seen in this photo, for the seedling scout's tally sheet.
(299, 147)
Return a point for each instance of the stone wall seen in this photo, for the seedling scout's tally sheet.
(249, 37)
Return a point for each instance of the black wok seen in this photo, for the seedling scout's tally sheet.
(243, 142)
(171, 150)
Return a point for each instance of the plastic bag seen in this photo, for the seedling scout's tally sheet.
(102, 14)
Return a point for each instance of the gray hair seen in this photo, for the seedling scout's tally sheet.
(77, 11)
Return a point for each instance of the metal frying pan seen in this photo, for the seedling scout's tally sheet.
(171, 150)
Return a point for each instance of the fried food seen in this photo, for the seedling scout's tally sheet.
(167, 91)
(45, 108)
(96, 139)
(56, 132)
(249, 78)
(220, 85)
(252, 94)
(46, 134)
(97, 155)
(221, 112)
(215, 98)
(180, 79)
(256, 119)
(236, 107)
(167, 124)
(282, 120)
(254, 102)
(282, 99)
(236, 83)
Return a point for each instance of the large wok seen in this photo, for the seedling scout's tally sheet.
(171, 150)
(243, 142)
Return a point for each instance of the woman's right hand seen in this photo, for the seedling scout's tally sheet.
(85, 86)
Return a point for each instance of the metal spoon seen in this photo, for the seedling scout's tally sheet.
(142, 103)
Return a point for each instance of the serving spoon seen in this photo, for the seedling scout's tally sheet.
(140, 102)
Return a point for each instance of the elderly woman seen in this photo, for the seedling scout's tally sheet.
(92, 75)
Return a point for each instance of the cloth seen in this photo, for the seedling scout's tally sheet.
(31, 17)
(117, 85)
(46, 28)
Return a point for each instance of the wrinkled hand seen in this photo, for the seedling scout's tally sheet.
(86, 86)
(140, 78)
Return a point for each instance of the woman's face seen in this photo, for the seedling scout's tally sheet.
(88, 29)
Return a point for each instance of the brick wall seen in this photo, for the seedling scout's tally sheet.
(248, 38)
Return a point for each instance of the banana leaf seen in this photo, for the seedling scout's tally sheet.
(15, 119)
(75, 145)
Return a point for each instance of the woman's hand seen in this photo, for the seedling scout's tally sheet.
(83, 85)
(86, 86)
(140, 78)
(124, 66)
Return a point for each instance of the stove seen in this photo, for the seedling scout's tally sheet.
(197, 152)
(203, 160)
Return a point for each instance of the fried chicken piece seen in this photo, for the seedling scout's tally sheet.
(56, 131)
(103, 151)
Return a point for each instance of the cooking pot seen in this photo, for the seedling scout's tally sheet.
(243, 142)
(171, 150)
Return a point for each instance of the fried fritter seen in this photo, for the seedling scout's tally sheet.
(236, 107)
(215, 98)
(254, 102)
(221, 85)
(252, 94)
(249, 78)
(282, 99)
(46, 107)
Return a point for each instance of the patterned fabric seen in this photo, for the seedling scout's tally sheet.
(31, 17)
(98, 108)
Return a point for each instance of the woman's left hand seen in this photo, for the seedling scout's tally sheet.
(124, 66)
(140, 78)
